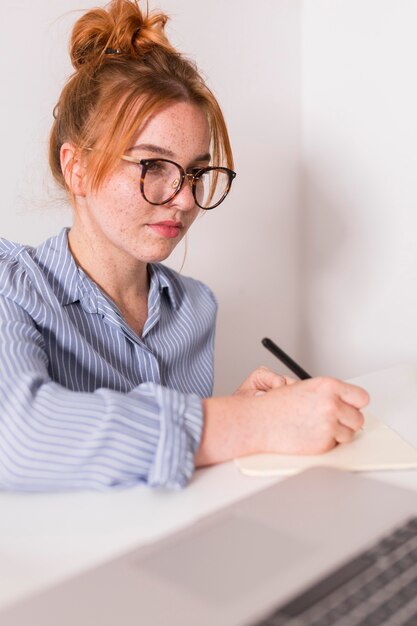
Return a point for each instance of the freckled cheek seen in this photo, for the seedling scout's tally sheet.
(127, 208)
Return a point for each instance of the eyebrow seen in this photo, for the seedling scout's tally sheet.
(150, 147)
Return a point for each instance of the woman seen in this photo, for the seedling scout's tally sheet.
(107, 355)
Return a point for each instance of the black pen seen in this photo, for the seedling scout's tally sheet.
(280, 354)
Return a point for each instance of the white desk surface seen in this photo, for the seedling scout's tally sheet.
(45, 538)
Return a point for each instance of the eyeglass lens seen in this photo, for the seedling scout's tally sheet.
(163, 178)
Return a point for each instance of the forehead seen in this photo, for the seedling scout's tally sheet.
(181, 128)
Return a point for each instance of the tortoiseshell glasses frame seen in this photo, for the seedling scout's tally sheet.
(162, 179)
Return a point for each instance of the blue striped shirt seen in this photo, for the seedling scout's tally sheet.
(84, 401)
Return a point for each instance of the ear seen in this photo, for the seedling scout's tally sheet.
(73, 169)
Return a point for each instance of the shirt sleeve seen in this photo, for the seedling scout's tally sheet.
(53, 438)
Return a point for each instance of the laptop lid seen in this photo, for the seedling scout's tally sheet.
(234, 566)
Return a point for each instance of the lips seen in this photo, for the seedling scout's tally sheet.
(168, 228)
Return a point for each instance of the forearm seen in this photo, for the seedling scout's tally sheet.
(232, 428)
(52, 438)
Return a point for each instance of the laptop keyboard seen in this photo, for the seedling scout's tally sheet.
(379, 587)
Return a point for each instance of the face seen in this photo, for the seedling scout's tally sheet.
(119, 219)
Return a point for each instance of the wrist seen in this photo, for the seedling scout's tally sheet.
(232, 427)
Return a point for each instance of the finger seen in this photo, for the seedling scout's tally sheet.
(291, 381)
(353, 395)
(348, 393)
(343, 434)
(286, 380)
(265, 379)
(351, 417)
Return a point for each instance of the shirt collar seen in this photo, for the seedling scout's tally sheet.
(166, 282)
(62, 272)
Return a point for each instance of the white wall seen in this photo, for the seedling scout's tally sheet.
(358, 217)
(316, 245)
(245, 250)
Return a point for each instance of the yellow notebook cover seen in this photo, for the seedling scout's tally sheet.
(375, 447)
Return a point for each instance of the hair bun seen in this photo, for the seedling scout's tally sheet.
(118, 28)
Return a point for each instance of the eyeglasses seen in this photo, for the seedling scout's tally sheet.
(161, 180)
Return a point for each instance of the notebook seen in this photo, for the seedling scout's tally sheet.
(375, 447)
(234, 567)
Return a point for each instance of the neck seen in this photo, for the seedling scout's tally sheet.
(116, 273)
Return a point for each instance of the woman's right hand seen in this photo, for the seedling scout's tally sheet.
(311, 416)
(306, 417)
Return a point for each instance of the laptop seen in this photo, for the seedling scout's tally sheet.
(272, 558)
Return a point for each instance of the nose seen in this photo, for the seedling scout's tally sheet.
(184, 199)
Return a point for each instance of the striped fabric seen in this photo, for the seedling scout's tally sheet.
(84, 402)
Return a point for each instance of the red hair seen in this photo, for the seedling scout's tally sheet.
(125, 71)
